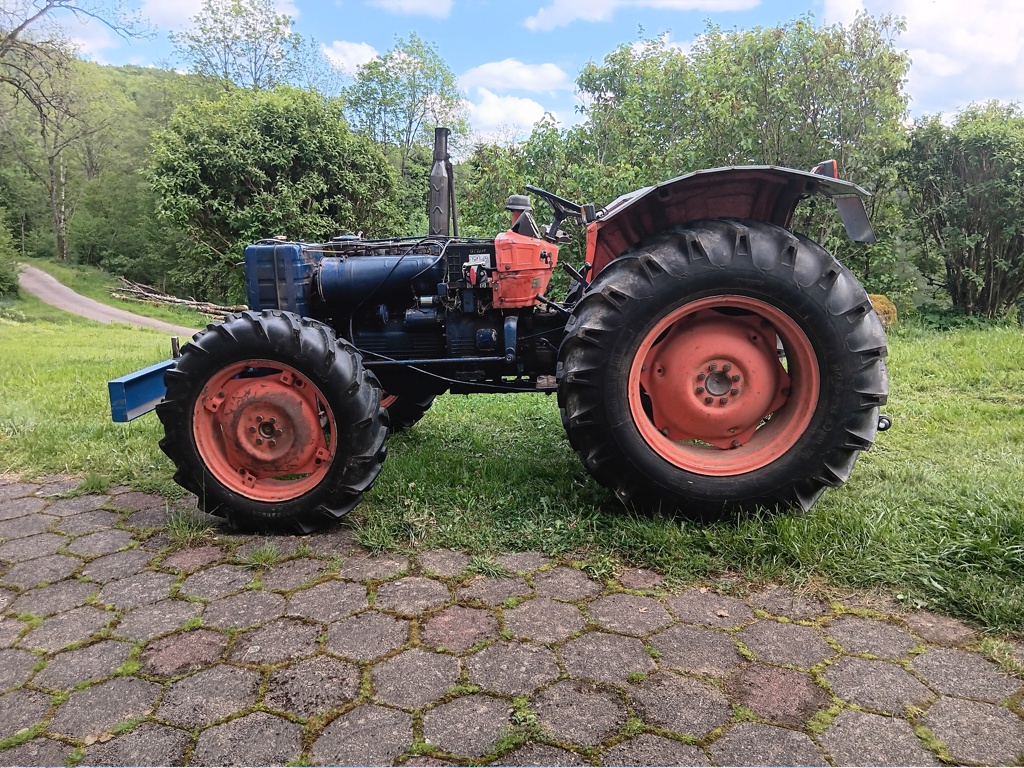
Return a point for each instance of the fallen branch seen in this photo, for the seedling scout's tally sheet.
(146, 294)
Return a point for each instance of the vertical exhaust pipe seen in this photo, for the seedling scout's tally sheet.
(442, 188)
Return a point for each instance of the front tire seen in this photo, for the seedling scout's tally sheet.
(273, 422)
(722, 367)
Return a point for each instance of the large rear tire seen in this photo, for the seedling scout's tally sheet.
(273, 422)
(722, 367)
(405, 410)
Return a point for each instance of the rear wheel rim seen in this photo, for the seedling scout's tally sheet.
(708, 392)
(264, 430)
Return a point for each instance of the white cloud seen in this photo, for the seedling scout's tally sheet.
(491, 115)
(960, 54)
(437, 8)
(561, 13)
(90, 37)
(347, 56)
(514, 75)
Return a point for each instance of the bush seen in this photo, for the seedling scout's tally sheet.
(8, 269)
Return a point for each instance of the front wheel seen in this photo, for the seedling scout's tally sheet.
(273, 422)
(722, 367)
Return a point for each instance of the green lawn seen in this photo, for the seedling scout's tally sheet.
(934, 513)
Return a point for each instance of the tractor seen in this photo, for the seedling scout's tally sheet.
(706, 359)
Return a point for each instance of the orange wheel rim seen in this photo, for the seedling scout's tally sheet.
(264, 430)
(708, 390)
(387, 400)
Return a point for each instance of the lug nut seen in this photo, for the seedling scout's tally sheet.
(735, 377)
(273, 420)
(272, 443)
(259, 441)
(664, 431)
(736, 443)
(700, 390)
(252, 429)
(701, 377)
(259, 419)
(724, 400)
(278, 432)
(734, 392)
(713, 367)
(727, 367)
(709, 400)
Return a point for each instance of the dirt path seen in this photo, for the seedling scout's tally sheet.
(48, 289)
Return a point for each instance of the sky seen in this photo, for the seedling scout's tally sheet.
(517, 59)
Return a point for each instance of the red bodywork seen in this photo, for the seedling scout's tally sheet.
(523, 267)
(763, 193)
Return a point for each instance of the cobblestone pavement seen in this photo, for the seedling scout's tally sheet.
(116, 648)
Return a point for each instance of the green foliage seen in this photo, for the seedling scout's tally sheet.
(8, 270)
(967, 199)
(241, 42)
(259, 164)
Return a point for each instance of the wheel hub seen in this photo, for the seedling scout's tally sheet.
(714, 377)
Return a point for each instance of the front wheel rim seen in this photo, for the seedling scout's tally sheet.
(264, 430)
(709, 393)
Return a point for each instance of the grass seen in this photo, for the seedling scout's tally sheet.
(934, 513)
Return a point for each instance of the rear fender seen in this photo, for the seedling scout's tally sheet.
(760, 192)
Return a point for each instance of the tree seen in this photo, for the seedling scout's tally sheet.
(257, 164)
(240, 42)
(8, 271)
(966, 184)
(399, 98)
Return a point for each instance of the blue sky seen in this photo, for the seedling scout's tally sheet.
(518, 59)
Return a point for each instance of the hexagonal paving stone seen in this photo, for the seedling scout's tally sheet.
(681, 705)
(783, 601)
(20, 527)
(978, 733)
(77, 505)
(648, 749)
(522, 562)
(15, 667)
(702, 606)
(564, 583)
(31, 547)
(368, 735)
(640, 578)
(785, 643)
(782, 695)
(155, 517)
(367, 636)
(43, 569)
(94, 710)
(468, 726)
(40, 751)
(190, 559)
(9, 631)
(147, 744)
(578, 713)
(246, 609)
(20, 507)
(459, 628)
(959, 673)
(858, 635)
(315, 685)
(292, 574)
(327, 602)
(697, 650)
(279, 640)
(87, 522)
(256, 739)
(132, 501)
(117, 566)
(46, 601)
(629, 614)
(604, 657)
(757, 744)
(544, 620)
(67, 669)
(443, 562)
(876, 685)
(100, 543)
(414, 678)
(209, 695)
(62, 629)
(141, 589)
(540, 755)
(370, 568)
(149, 621)
(939, 629)
(512, 668)
(218, 581)
(21, 709)
(859, 738)
(411, 595)
(183, 652)
(494, 590)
